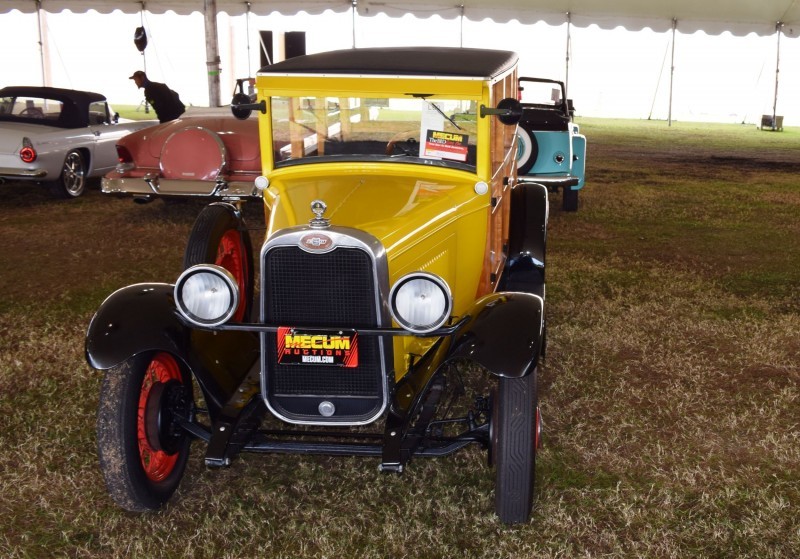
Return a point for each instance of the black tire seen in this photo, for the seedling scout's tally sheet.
(72, 181)
(528, 150)
(515, 426)
(569, 200)
(142, 452)
(220, 237)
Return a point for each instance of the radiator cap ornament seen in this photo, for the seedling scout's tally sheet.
(318, 207)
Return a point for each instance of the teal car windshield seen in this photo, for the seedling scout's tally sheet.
(411, 129)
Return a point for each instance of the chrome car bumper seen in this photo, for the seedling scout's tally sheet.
(156, 186)
(22, 174)
(551, 181)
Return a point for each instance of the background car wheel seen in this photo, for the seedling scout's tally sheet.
(72, 181)
(514, 433)
(527, 150)
(569, 201)
(219, 237)
(142, 453)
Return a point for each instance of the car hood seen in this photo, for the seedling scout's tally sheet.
(400, 207)
(11, 134)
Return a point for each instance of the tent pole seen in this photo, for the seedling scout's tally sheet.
(41, 41)
(658, 82)
(672, 71)
(355, 11)
(461, 32)
(778, 29)
(264, 50)
(566, 72)
(144, 56)
(247, 28)
(212, 52)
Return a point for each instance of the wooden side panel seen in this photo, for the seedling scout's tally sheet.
(504, 173)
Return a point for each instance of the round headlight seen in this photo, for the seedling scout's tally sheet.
(420, 302)
(207, 295)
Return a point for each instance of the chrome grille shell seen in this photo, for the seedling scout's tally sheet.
(312, 279)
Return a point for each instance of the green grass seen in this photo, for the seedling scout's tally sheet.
(659, 134)
(134, 112)
(670, 391)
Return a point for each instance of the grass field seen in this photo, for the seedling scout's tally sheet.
(134, 112)
(670, 392)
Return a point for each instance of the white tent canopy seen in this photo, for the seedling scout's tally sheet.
(711, 16)
(739, 17)
(769, 19)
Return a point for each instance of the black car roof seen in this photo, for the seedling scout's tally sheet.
(406, 61)
(57, 93)
(75, 111)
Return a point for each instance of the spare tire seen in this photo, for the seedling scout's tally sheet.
(527, 150)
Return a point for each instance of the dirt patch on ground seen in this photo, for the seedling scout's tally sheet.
(62, 246)
(688, 161)
(751, 163)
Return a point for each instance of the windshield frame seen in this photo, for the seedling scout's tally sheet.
(388, 126)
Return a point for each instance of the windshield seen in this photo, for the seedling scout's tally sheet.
(544, 93)
(411, 129)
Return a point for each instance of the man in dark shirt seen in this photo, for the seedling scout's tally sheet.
(164, 101)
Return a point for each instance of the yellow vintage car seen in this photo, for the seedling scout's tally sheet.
(399, 304)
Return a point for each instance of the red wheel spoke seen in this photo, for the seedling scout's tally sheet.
(231, 256)
(157, 464)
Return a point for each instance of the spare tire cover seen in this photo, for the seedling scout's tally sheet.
(194, 153)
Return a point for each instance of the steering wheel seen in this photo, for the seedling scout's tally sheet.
(35, 112)
(405, 144)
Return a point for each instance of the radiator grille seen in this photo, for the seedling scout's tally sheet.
(331, 289)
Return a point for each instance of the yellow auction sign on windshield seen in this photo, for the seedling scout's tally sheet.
(446, 145)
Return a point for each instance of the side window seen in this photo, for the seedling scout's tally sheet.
(98, 113)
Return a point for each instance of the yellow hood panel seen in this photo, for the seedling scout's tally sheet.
(427, 219)
(401, 207)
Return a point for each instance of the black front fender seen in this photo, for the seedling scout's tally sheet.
(143, 318)
(504, 334)
(133, 319)
(527, 238)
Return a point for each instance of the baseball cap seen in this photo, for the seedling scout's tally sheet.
(137, 74)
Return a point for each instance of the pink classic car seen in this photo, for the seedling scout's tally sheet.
(201, 156)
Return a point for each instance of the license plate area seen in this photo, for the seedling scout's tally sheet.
(317, 347)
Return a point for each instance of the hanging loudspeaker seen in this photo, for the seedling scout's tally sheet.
(140, 39)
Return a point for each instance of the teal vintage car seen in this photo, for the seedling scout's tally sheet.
(550, 149)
